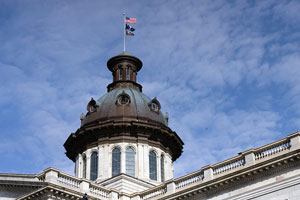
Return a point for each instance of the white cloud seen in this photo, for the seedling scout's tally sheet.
(227, 73)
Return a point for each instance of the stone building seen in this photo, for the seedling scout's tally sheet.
(125, 150)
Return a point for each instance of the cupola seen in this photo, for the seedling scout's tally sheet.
(124, 68)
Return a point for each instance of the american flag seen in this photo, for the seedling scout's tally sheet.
(130, 20)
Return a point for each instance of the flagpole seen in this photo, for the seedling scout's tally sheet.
(124, 32)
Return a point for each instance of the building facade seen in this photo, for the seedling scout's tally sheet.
(125, 150)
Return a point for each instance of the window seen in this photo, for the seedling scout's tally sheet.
(152, 165)
(162, 168)
(154, 107)
(123, 99)
(128, 74)
(84, 166)
(116, 161)
(94, 166)
(130, 154)
(121, 73)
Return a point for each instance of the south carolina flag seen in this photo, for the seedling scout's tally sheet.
(130, 20)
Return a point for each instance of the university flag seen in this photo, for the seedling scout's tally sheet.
(129, 33)
(130, 20)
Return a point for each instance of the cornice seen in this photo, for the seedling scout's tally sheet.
(23, 184)
(159, 136)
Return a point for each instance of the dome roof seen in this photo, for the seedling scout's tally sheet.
(139, 107)
(124, 113)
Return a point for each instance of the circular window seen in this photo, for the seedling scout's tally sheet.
(123, 100)
(154, 107)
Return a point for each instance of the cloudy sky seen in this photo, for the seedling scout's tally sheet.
(227, 72)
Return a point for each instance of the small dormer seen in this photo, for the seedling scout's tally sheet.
(154, 105)
(92, 106)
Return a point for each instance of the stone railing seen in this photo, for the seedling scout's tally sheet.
(41, 177)
(228, 165)
(192, 178)
(52, 175)
(99, 191)
(162, 189)
(68, 180)
(273, 148)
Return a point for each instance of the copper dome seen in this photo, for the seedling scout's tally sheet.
(138, 108)
(124, 113)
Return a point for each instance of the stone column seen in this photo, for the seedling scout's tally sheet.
(123, 160)
(168, 167)
(100, 161)
(107, 161)
(88, 164)
(140, 160)
(158, 166)
(146, 161)
(79, 175)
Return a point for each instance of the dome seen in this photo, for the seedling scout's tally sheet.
(137, 107)
(124, 114)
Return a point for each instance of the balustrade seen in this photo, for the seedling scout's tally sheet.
(272, 149)
(68, 180)
(94, 189)
(154, 192)
(231, 164)
(184, 181)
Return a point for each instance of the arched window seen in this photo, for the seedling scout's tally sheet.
(127, 73)
(152, 165)
(121, 73)
(84, 166)
(130, 154)
(94, 166)
(162, 168)
(116, 161)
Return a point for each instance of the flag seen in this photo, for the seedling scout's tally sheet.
(130, 20)
(129, 33)
(130, 28)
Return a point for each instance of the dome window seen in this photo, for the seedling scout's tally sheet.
(152, 166)
(154, 105)
(123, 99)
(94, 166)
(121, 73)
(116, 161)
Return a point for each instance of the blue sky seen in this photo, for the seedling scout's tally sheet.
(227, 72)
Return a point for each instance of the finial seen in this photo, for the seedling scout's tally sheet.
(167, 117)
(82, 116)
